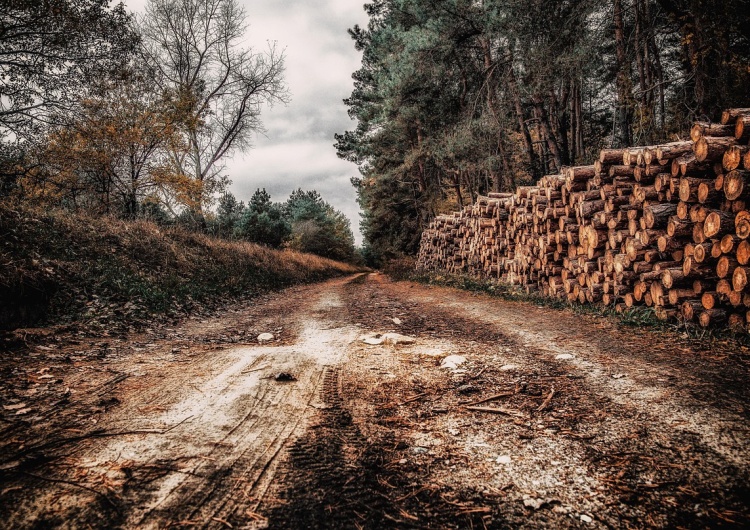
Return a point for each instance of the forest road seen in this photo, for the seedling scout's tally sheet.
(498, 415)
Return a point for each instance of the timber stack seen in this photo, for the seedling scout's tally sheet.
(663, 226)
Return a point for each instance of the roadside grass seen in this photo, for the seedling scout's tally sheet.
(637, 317)
(63, 268)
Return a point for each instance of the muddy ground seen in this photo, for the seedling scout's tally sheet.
(546, 419)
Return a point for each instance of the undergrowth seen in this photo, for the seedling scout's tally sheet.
(102, 273)
(638, 317)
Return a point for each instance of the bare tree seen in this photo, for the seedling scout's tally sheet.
(216, 87)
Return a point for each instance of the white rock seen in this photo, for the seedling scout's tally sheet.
(265, 337)
(454, 432)
(395, 338)
(508, 367)
(397, 321)
(452, 362)
(564, 356)
(503, 459)
(533, 503)
(586, 519)
(388, 338)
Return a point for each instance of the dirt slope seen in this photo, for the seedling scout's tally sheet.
(589, 425)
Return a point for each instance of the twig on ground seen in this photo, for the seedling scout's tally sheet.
(496, 410)
(546, 400)
(496, 396)
(415, 398)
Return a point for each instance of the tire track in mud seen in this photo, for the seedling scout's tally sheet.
(336, 478)
(206, 434)
(243, 463)
(329, 486)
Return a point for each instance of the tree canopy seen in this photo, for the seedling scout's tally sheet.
(305, 222)
(458, 97)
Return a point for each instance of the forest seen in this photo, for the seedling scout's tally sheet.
(109, 114)
(458, 98)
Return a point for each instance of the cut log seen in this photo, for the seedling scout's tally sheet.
(710, 148)
(692, 167)
(698, 213)
(718, 222)
(621, 171)
(723, 287)
(734, 184)
(690, 308)
(712, 317)
(739, 278)
(677, 228)
(730, 115)
(699, 235)
(701, 129)
(580, 173)
(727, 243)
(726, 266)
(709, 299)
(743, 252)
(733, 157)
(702, 251)
(674, 276)
(689, 188)
(677, 296)
(612, 156)
(673, 150)
(742, 224)
(707, 193)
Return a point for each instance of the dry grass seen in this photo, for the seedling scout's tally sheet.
(57, 267)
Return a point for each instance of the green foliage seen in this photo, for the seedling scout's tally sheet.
(152, 210)
(228, 214)
(263, 221)
(318, 228)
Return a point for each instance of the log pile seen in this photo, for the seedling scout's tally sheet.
(664, 226)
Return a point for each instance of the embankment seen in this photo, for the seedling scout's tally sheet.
(100, 273)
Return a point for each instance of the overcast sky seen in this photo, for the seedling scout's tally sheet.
(297, 150)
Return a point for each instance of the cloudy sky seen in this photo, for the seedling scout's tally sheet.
(297, 149)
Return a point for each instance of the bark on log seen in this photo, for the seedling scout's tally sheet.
(701, 129)
(710, 148)
(730, 115)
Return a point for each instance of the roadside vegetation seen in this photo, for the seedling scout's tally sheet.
(99, 273)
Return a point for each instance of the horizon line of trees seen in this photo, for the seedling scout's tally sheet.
(304, 222)
(456, 98)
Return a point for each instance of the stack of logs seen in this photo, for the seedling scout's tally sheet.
(664, 226)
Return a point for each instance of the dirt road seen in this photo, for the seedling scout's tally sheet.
(499, 415)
